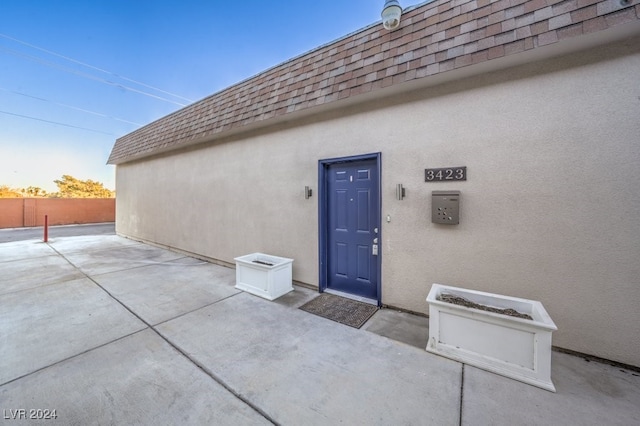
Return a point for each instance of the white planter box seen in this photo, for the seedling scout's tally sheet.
(264, 275)
(513, 347)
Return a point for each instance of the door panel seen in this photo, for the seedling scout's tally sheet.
(364, 263)
(352, 211)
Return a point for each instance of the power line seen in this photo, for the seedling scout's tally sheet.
(71, 107)
(85, 75)
(94, 67)
(56, 123)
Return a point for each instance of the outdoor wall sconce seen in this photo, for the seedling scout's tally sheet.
(400, 192)
(391, 15)
(307, 192)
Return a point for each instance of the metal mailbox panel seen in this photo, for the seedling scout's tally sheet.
(445, 207)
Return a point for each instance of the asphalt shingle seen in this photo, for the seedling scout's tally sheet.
(434, 38)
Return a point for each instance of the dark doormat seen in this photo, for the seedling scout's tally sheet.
(339, 309)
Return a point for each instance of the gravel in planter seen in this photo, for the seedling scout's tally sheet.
(461, 301)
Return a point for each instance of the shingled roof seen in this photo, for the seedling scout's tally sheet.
(434, 38)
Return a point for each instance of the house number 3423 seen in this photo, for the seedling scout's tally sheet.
(445, 174)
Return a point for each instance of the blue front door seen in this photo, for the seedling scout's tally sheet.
(352, 212)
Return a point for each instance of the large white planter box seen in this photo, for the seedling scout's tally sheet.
(264, 275)
(513, 347)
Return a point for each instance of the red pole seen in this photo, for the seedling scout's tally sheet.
(46, 228)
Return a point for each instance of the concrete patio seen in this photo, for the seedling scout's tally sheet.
(106, 330)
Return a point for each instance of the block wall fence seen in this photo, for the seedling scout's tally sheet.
(26, 212)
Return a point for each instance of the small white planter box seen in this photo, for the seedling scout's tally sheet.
(264, 275)
(513, 347)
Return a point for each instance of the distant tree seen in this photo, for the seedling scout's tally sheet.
(7, 192)
(70, 187)
(33, 191)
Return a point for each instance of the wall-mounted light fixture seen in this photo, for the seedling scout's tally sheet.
(400, 192)
(307, 192)
(391, 15)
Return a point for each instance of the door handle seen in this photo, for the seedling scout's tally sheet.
(374, 249)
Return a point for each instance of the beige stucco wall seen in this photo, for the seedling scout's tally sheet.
(549, 211)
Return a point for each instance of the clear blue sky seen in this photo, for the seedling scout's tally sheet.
(189, 48)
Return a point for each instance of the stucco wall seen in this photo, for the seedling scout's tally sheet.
(549, 211)
(11, 212)
(25, 212)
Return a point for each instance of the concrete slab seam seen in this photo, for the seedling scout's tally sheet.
(39, 286)
(195, 310)
(177, 348)
(177, 250)
(89, 250)
(144, 264)
(217, 379)
(72, 357)
(27, 258)
(461, 394)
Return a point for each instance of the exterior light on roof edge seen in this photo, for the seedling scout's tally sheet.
(391, 15)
